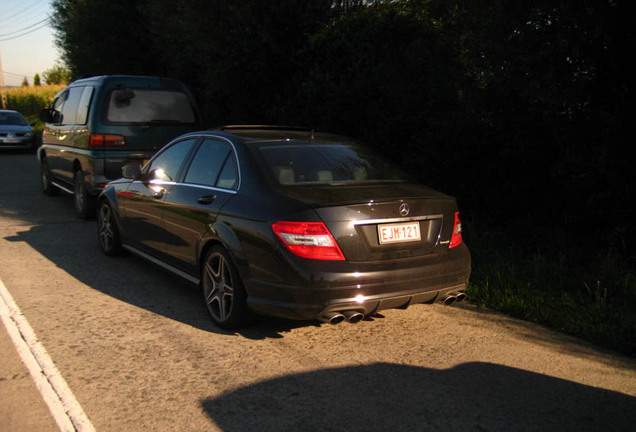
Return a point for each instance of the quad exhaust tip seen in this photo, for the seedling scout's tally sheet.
(332, 318)
(454, 297)
(337, 317)
(353, 316)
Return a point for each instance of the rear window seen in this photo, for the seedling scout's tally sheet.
(134, 106)
(306, 164)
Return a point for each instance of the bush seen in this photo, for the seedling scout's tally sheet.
(29, 101)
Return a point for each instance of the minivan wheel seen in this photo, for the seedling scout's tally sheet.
(82, 200)
(223, 290)
(107, 230)
(48, 188)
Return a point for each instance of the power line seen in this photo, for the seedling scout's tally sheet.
(25, 9)
(26, 28)
(27, 33)
(15, 75)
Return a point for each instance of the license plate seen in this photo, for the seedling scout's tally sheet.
(399, 233)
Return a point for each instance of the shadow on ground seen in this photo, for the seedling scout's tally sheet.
(390, 397)
(73, 247)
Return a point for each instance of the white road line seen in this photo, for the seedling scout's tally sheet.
(67, 412)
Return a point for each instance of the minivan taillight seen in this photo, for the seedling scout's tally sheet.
(456, 239)
(105, 140)
(308, 240)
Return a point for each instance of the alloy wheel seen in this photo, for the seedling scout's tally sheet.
(218, 287)
(107, 230)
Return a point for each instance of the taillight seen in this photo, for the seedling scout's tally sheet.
(104, 140)
(308, 240)
(456, 239)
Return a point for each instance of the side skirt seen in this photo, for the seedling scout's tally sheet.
(64, 188)
(162, 264)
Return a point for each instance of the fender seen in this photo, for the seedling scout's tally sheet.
(221, 232)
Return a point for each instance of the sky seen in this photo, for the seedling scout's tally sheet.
(27, 42)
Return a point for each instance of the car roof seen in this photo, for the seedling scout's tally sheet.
(124, 79)
(261, 133)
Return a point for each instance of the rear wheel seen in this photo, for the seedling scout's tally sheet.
(48, 188)
(107, 230)
(223, 290)
(82, 200)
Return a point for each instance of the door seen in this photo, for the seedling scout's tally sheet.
(73, 109)
(143, 202)
(191, 207)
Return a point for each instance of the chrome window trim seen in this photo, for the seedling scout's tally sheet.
(212, 188)
(203, 136)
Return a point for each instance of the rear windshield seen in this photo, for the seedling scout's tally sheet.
(131, 105)
(12, 119)
(305, 164)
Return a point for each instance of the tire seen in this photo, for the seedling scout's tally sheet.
(48, 188)
(107, 230)
(223, 290)
(82, 200)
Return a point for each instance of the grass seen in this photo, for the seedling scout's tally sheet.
(593, 298)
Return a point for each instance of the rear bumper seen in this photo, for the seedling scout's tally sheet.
(363, 287)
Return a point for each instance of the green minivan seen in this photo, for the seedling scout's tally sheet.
(96, 125)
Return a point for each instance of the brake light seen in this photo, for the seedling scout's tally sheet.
(456, 239)
(308, 240)
(104, 140)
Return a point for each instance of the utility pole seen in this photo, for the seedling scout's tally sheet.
(3, 96)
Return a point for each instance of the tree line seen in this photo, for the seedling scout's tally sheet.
(522, 110)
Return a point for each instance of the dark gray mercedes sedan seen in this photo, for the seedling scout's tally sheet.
(289, 223)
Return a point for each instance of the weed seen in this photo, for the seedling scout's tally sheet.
(590, 297)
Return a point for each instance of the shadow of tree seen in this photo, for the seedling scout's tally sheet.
(391, 397)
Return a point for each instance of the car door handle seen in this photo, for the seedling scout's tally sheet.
(206, 199)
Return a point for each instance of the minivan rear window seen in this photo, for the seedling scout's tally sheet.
(134, 106)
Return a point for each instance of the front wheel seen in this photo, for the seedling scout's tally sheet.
(107, 230)
(223, 290)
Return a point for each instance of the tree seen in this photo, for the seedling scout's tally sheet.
(25, 82)
(58, 74)
(36, 80)
(104, 37)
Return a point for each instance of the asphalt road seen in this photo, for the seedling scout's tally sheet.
(138, 351)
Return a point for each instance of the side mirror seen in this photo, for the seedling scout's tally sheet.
(131, 171)
(49, 115)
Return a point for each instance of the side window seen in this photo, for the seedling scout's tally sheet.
(228, 179)
(213, 165)
(167, 164)
(84, 104)
(71, 105)
(58, 103)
